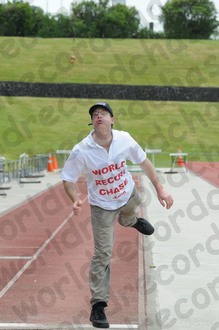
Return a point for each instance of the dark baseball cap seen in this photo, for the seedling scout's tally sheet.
(101, 105)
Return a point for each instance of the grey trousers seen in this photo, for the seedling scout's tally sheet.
(103, 232)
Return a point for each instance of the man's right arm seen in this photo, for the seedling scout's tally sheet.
(71, 191)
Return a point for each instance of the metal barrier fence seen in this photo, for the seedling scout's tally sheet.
(22, 168)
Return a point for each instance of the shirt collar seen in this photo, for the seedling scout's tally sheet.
(92, 143)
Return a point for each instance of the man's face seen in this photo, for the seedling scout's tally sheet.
(101, 118)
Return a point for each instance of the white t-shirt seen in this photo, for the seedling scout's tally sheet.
(109, 182)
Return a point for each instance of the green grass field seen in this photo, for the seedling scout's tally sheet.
(37, 125)
(135, 62)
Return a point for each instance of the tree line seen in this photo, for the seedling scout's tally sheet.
(191, 19)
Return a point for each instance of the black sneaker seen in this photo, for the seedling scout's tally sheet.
(144, 226)
(98, 317)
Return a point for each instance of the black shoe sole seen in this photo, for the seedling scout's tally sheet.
(102, 326)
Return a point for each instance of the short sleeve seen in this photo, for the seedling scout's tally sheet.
(73, 167)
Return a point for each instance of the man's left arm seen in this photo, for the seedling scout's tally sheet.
(164, 198)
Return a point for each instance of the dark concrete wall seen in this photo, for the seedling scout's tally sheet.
(119, 92)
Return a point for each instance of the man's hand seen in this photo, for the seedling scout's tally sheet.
(165, 199)
(77, 207)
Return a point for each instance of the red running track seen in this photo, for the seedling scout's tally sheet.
(45, 259)
(206, 170)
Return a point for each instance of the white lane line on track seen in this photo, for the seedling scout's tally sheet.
(32, 326)
(35, 256)
(141, 283)
(15, 257)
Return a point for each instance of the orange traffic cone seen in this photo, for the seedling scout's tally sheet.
(180, 161)
(49, 166)
(54, 163)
